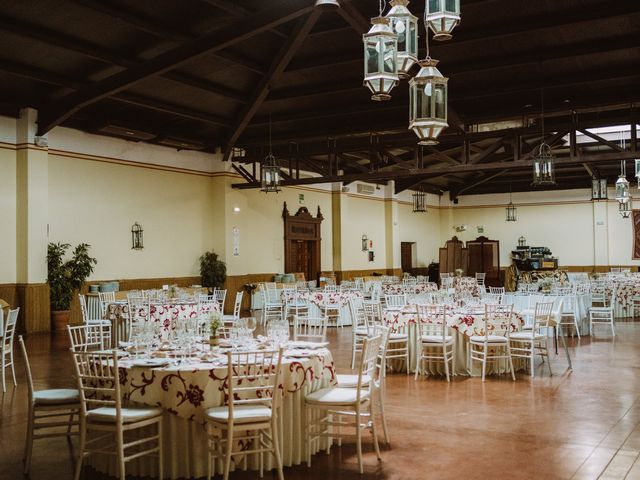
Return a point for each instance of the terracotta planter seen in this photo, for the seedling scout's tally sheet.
(60, 319)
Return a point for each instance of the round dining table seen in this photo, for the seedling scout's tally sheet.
(463, 324)
(187, 390)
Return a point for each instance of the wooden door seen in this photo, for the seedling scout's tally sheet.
(406, 257)
(302, 242)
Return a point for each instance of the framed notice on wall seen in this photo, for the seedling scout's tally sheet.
(236, 242)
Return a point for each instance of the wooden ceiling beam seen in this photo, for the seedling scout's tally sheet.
(454, 193)
(59, 110)
(282, 59)
(238, 11)
(600, 140)
(449, 169)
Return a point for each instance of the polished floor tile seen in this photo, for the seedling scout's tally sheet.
(580, 424)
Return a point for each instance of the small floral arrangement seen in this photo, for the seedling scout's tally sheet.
(545, 284)
(215, 322)
(173, 291)
(459, 272)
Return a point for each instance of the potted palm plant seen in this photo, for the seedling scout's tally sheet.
(212, 270)
(65, 278)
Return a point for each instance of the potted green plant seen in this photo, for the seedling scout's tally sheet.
(212, 270)
(65, 278)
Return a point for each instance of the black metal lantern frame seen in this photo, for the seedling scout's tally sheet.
(625, 208)
(380, 59)
(137, 237)
(544, 166)
(270, 175)
(511, 209)
(419, 202)
(599, 189)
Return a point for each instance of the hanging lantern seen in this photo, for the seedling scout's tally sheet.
(522, 242)
(442, 17)
(405, 26)
(428, 103)
(543, 166)
(511, 209)
(380, 59)
(624, 208)
(419, 202)
(638, 171)
(137, 239)
(598, 189)
(622, 185)
(270, 174)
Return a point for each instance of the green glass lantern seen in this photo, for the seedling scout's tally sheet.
(405, 26)
(428, 103)
(442, 17)
(380, 59)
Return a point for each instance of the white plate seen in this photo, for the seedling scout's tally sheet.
(150, 362)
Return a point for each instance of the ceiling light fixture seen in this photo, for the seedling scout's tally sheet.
(380, 57)
(269, 170)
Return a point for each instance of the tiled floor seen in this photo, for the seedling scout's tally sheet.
(583, 424)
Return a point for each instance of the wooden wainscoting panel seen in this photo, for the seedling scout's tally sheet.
(35, 313)
(9, 293)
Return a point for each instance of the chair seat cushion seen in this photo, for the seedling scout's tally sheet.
(436, 339)
(98, 321)
(351, 381)
(526, 336)
(397, 336)
(129, 414)
(335, 396)
(361, 331)
(241, 414)
(490, 339)
(58, 396)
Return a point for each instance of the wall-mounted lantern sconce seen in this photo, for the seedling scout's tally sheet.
(365, 243)
(137, 239)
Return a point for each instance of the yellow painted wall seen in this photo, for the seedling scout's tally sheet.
(421, 228)
(363, 215)
(97, 203)
(7, 215)
(261, 227)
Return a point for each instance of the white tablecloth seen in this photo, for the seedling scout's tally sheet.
(316, 300)
(527, 302)
(187, 391)
(462, 327)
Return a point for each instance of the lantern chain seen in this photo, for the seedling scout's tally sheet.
(426, 27)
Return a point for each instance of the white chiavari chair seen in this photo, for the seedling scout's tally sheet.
(480, 276)
(494, 345)
(220, 296)
(398, 345)
(330, 308)
(105, 299)
(372, 312)
(569, 315)
(104, 326)
(237, 306)
(496, 290)
(272, 306)
(310, 329)
(493, 298)
(395, 301)
(360, 327)
(346, 407)
(102, 412)
(528, 344)
(84, 338)
(351, 380)
(330, 288)
(7, 346)
(138, 313)
(46, 407)
(435, 344)
(250, 417)
(603, 315)
(291, 300)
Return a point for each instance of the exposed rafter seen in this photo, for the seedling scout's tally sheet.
(282, 59)
(57, 111)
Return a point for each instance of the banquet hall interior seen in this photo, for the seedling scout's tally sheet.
(318, 239)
